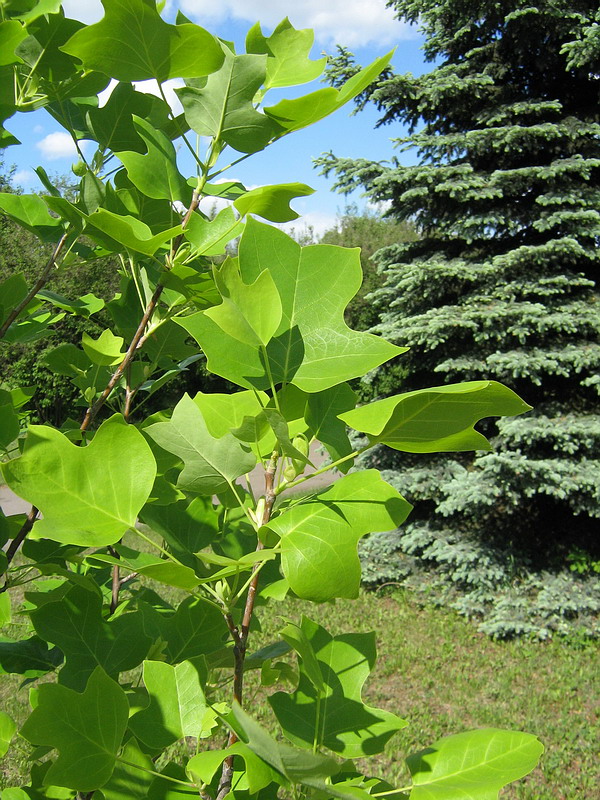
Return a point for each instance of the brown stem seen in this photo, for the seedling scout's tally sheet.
(17, 541)
(93, 410)
(41, 282)
(240, 637)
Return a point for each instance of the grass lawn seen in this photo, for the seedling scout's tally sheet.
(437, 672)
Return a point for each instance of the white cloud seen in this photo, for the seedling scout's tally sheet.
(58, 145)
(354, 23)
(24, 177)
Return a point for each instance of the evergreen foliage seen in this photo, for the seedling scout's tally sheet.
(502, 282)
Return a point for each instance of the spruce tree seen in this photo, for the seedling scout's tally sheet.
(502, 284)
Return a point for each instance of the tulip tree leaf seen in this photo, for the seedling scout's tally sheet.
(7, 730)
(88, 495)
(133, 43)
(310, 108)
(287, 49)
(209, 237)
(187, 527)
(132, 776)
(12, 34)
(474, 765)
(203, 766)
(332, 714)
(155, 173)
(223, 107)
(87, 730)
(30, 658)
(248, 312)
(31, 213)
(436, 420)
(319, 537)
(222, 412)
(313, 348)
(154, 567)
(76, 625)
(298, 766)
(108, 228)
(272, 202)
(211, 464)
(9, 425)
(105, 350)
(177, 704)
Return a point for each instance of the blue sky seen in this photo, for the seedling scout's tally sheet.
(367, 27)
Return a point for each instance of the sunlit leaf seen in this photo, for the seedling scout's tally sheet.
(133, 43)
(87, 495)
(435, 420)
(287, 50)
(272, 202)
(472, 766)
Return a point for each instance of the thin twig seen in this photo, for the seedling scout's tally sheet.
(240, 637)
(133, 346)
(40, 283)
(17, 541)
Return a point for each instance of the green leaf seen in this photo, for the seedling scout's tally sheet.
(272, 202)
(319, 537)
(222, 412)
(211, 464)
(154, 567)
(288, 50)
(131, 780)
(84, 306)
(195, 629)
(105, 350)
(298, 766)
(75, 623)
(112, 125)
(155, 173)
(313, 347)
(223, 107)
(39, 8)
(436, 420)
(302, 111)
(203, 767)
(31, 213)
(12, 291)
(330, 712)
(7, 730)
(30, 658)
(133, 43)
(472, 766)
(87, 495)
(9, 425)
(12, 34)
(321, 415)
(86, 729)
(108, 228)
(209, 237)
(248, 312)
(185, 526)
(177, 704)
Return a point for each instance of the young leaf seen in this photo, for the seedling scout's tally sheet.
(472, 766)
(222, 412)
(7, 730)
(203, 766)
(177, 703)
(133, 43)
(331, 713)
(223, 107)
(248, 312)
(31, 213)
(209, 237)
(302, 111)
(86, 729)
(75, 623)
(87, 495)
(436, 420)
(313, 348)
(287, 50)
(155, 173)
(319, 537)
(111, 230)
(272, 202)
(105, 350)
(211, 464)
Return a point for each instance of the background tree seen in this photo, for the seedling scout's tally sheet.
(370, 230)
(502, 282)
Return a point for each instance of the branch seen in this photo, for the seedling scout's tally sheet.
(41, 282)
(93, 410)
(240, 637)
(16, 542)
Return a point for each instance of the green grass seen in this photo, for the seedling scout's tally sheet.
(437, 672)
